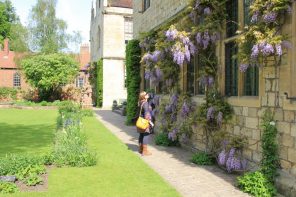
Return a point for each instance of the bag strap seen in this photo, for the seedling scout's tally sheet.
(141, 109)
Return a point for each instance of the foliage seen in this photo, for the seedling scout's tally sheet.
(99, 83)
(49, 72)
(70, 143)
(96, 80)
(33, 179)
(20, 164)
(162, 139)
(42, 103)
(7, 188)
(7, 18)
(8, 93)
(202, 158)
(47, 32)
(270, 154)
(87, 113)
(257, 184)
(133, 69)
(18, 38)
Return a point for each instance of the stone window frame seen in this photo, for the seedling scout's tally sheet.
(145, 5)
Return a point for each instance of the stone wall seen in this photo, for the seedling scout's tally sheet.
(158, 13)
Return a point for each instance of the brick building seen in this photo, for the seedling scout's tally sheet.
(10, 75)
(249, 93)
(111, 28)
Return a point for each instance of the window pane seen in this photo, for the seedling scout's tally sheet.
(231, 70)
(247, 18)
(251, 81)
(190, 77)
(232, 17)
(146, 4)
(201, 86)
(16, 80)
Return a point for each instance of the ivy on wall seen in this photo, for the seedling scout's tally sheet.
(96, 80)
(133, 71)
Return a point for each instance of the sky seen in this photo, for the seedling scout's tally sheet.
(76, 13)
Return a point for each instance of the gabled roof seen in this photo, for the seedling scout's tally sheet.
(120, 3)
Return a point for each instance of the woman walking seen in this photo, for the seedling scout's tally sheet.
(145, 112)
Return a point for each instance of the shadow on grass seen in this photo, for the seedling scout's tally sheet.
(19, 138)
(178, 153)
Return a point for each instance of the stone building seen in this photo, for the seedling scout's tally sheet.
(249, 93)
(111, 28)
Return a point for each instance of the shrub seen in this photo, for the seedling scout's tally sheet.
(202, 158)
(7, 188)
(8, 94)
(162, 139)
(133, 69)
(255, 183)
(68, 107)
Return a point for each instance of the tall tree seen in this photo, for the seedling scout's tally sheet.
(48, 33)
(11, 27)
(7, 18)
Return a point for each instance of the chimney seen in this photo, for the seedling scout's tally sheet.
(84, 48)
(6, 46)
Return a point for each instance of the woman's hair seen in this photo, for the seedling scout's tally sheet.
(142, 96)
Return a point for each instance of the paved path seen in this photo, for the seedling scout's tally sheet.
(173, 164)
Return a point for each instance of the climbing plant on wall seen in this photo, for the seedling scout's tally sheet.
(96, 80)
(133, 71)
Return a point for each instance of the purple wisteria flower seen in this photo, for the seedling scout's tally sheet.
(210, 113)
(270, 17)
(206, 39)
(192, 48)
(222, 158)
(171, 34)
(173, 134)
(191, 16)
(243, 67)
(211, 81)
(198, 38)
(174, 99)
(207, 11)
(267, 49)
(158, 74)
(255, 51)
(168, 109)
(147, 74)
(219, 118)
(279, 50)
(155, 56)
(233, 163)
(173, 117)
(185, 110)
(232, 152)
(255, 17)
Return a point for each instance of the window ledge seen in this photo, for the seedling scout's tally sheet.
(244, 101)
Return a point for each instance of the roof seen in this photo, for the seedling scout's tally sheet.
(120, 3)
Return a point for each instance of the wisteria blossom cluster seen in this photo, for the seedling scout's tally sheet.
(147, 43)
(212, 115)
(182, 47)
(204, 39)
(231, 160)
(207, 81)
(266, 17)
(264, 49)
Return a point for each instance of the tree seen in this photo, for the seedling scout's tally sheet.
(47, 32)
(7, 18)
(48, 72)
(19, 38)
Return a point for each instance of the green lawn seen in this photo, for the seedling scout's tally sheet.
(26, 131)
(119, 172)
